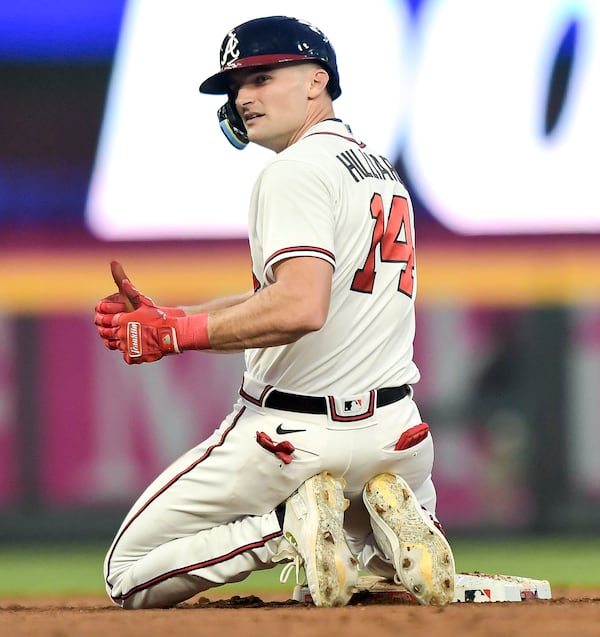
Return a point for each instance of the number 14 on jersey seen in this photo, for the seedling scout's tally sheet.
(394, 237)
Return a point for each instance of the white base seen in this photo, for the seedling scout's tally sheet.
(468, 587)
(477, 587)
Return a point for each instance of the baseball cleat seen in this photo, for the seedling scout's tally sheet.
(313, 524)
(408, 537)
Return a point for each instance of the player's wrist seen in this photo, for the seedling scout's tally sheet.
(172, 312)
(192, 332)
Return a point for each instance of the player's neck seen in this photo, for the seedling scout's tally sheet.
(317, 115)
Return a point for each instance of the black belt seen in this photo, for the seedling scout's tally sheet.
(318, 404)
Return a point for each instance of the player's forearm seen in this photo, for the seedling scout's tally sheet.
(217, 304)
(275, 316)
(269, 318)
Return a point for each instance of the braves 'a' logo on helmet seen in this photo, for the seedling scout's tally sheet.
(268, 41)
(230, 51)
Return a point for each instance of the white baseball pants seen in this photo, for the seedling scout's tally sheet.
(209, 518)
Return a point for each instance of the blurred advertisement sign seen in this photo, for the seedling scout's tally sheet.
(10, 486)
(489, 107)
(103, 430)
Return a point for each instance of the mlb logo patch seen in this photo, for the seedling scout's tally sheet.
(353, 406)
(478, 595)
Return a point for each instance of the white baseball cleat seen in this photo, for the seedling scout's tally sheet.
(313, 525)
(407, 535)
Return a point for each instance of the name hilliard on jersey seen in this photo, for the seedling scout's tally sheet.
(362, 165)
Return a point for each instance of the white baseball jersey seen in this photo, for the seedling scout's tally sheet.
(330, 196)
(210, 517)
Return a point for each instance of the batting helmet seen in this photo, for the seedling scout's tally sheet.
(273, 40)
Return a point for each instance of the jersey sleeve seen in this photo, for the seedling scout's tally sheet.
(294, 213)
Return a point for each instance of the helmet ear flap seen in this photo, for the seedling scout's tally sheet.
(232, 125)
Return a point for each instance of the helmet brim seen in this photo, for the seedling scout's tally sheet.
(218, 84)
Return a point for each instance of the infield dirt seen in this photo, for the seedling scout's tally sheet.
(570, 612)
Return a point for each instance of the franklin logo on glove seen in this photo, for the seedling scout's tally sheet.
(134, 343)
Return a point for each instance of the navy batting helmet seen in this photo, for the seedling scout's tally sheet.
(273, 40)
(264, 42)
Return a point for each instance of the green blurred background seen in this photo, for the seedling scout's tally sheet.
(566, 562)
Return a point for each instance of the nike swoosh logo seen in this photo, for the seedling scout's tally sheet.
(282, 430)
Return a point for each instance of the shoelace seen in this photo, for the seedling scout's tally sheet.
(295, 564)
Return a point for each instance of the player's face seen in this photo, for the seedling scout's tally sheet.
(273, 102)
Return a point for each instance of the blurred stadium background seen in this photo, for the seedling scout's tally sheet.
(508, 231)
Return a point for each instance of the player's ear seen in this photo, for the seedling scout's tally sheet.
(319, 81)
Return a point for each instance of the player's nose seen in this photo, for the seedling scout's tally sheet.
(244, 107)
(243, 99)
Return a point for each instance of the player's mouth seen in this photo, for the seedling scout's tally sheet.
(248, 117)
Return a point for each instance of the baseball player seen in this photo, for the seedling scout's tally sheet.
(324, 460)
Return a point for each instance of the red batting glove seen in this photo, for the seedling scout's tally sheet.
(116, 303)
(148, 334)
